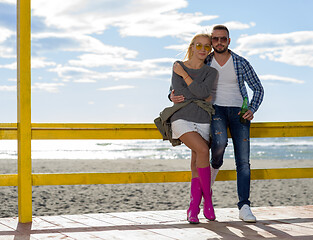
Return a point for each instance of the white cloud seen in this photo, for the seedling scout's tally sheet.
(180, 47)
(47, 87)
(68, 73)
(5, 33)
(235, 25)
(106, 59)
(117, 61)
(280, 78)
(11, 66)
(84, 80)
(13, 2)
(40, 62)
(295, 48)
(82, 43)
(6, 88)
(154, 18)
(120, 68)
(38, 87)
(153, 25)
(7, 52)
(36, 62)
(113, 88)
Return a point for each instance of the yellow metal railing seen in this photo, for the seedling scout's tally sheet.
(24, 131)
(45, 131)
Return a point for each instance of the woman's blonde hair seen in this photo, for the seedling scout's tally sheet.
(189, 50)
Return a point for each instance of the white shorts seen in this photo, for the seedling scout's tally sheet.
(180, 127)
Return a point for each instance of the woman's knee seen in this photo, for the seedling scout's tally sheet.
(203, 151)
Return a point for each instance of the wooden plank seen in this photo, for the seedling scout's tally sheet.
(283, 222)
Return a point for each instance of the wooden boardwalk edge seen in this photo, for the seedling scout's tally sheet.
(284, 222)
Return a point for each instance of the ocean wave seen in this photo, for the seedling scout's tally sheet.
(271, 148)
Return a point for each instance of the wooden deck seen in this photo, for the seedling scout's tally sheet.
(273, 223)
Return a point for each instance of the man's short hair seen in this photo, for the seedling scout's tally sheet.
(221, 27)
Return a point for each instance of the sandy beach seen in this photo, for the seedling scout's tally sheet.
(80, 199)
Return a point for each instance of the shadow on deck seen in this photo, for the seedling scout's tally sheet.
(292, 222)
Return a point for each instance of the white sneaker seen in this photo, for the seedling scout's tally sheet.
(214, 173)
(246, 215)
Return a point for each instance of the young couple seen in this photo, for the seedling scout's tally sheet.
(216, 78)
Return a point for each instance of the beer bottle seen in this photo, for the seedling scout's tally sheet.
(243, 110)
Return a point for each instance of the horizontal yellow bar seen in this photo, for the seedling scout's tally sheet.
(40, 134)
(150, 177)
(281, 129)
(8, 180)
(281, 173)
(110, 178)
(141, 131)
(93, 125)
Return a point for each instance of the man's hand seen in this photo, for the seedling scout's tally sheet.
(209, 99)
(176, 99)
(248, 115)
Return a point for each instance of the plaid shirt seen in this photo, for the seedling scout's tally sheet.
(245, 72)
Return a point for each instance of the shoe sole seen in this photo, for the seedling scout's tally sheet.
(248, 221)
(192, 222)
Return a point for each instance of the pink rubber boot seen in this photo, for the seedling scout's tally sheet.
(195, 200)
(205, 180)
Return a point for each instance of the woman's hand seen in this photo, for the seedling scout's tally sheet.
(178, 69)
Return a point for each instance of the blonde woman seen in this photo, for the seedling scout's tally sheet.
(195, 80)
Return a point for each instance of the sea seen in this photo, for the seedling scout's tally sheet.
(300, 148)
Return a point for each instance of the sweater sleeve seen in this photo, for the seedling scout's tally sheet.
(255, 85)
(179, 85)
(204, 89)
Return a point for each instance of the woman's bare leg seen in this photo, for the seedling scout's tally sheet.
(193, 166)
(200, 151)
(199, 146)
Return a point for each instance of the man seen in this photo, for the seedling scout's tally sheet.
(233, 71)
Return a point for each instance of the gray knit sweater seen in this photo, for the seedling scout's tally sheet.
(204, 81)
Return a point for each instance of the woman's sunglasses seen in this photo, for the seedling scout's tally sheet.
(206, 47)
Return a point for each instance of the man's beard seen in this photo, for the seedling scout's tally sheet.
(220, 51)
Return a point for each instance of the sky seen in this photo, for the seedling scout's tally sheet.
(109, 61)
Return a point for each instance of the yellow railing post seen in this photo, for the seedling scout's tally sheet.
(24, 110)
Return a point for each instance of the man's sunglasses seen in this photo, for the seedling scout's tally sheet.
(206, 47)
(222, 39)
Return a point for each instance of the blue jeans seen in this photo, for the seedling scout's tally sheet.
(228, 117)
